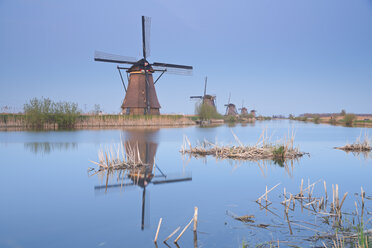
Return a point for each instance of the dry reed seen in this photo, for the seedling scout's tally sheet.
(263, 150)
(360, 145)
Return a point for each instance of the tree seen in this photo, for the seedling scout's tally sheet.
(97, 109)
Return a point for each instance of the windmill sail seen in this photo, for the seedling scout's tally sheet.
(113, 58)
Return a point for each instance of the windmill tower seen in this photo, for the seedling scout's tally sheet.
(140, 97)
(243, 110)
(207, 99)
(230, 108)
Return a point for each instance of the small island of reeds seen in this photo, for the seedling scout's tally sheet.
(262, 150)
(360, 145)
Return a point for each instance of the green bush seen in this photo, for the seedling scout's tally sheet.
(231, 118)
(349, 119)
(207, 112)
(316, 119)
(41, 112)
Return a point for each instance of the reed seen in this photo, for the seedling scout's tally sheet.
(263, 150)
(360, 145)
(120, 157)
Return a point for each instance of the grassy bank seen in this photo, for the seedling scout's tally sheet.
(99, 121)
(349, 120)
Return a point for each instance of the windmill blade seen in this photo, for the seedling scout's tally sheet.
(199, 97)
(186, 67)
(112, 58)
(175, 71)
(205, 86)
(146, 28)
(229, 98)
(145, 213)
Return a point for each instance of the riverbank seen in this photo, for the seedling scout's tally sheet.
(18, 121)
(358, 121)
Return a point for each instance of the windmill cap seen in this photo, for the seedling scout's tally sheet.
(140, 65)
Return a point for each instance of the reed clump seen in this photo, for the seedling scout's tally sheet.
(360, 145)
(263, 150)
(120, 157)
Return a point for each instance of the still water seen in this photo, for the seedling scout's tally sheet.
(48, 198)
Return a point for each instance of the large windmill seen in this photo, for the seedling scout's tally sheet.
(140, 97)
(230, 108)
(206, 99)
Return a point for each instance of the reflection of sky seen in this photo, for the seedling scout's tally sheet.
(48, 198)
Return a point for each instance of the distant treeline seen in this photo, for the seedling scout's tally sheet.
(44, 112)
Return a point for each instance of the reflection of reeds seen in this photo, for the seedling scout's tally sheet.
(279, 151)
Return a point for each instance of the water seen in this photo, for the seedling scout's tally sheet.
(48, 199)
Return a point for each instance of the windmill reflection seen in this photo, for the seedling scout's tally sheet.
(142, 143)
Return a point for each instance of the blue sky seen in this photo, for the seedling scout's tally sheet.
(280, 57)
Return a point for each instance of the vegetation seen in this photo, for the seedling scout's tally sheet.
(349, 119)
(43, 112)
(207, 112)
(316, 119)
(263, 150)
(360, 145)
(333, 120)
(231, 118)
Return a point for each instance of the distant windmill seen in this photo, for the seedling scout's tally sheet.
(230, 108)
(140, 97)
(207, 99)
(243, 110)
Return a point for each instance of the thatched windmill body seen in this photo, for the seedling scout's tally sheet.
(140, 97)
(230, 108)
(206, 99)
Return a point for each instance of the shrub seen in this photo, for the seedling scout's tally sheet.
(207, 112)
(231, 118)
(349, 119)
(316, 119)
(41, 112)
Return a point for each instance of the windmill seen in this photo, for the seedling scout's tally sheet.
(243, 110)
(206, 99)
(142, 143)
(140, 97)
(230, 108)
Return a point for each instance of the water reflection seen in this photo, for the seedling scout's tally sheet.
(48, 147)
(144, 143)
(365, 154)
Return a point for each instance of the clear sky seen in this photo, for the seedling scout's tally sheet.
(279, 56)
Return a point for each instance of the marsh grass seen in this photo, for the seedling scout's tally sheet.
(360, 145)
(263, 150)
(119, 157)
